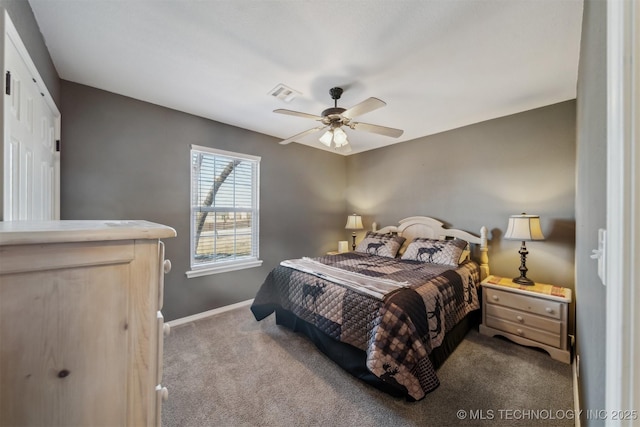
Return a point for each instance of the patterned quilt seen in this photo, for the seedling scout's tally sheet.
(397, 332)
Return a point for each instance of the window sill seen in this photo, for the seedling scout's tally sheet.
(223, 268)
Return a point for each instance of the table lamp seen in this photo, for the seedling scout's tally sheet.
(354, 222)
(524, 228)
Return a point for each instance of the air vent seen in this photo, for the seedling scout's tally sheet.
(284, 93)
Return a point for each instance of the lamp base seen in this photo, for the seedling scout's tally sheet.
(523, 281)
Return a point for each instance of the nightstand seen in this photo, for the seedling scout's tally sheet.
(535, 316)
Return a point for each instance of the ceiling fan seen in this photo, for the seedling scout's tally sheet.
(335, 117)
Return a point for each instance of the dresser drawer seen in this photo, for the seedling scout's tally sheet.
(524, 318)
(528, 304)
(524, 331)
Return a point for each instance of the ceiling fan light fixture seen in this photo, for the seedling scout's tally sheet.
(326, 138)
(340, 137)
(334, 118)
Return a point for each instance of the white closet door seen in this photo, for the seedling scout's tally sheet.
(30, 187)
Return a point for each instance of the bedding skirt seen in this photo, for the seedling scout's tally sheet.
(353, 360)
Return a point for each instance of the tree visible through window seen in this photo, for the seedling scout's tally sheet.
(224, 210)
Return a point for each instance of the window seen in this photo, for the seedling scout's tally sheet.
(224, 211)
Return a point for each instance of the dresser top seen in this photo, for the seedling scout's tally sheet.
(552, 292)
(36, 232)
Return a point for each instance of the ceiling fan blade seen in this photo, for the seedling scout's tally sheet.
(382, 130)
(298, 114)
(364, 107)
(301, 134)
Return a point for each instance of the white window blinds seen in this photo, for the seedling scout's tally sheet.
(224, 210)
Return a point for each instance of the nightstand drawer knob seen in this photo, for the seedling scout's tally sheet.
(520, 331)
(495, 297)
(519, 318)
(548, 310)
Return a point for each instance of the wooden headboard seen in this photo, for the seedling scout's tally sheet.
(424, 226)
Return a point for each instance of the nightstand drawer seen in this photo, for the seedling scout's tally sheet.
(524, 331)
(542, 307)
(523, 318)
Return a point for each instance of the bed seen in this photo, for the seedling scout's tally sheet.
(389, 312)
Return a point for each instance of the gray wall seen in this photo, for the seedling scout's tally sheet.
(479, 175)
(591, 198)
(126, 159)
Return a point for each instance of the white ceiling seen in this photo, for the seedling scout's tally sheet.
(439, 64)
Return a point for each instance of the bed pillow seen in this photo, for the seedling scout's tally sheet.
(380, 244)
(446, 252)
(465, 255)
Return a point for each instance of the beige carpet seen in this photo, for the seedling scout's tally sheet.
(230, 370)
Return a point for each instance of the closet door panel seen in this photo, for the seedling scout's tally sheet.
(29, 122)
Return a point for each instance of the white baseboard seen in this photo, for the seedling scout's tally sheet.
(576, 393)
(209, 313)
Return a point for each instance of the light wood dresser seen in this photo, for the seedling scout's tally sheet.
(81, 330)
(535, 315)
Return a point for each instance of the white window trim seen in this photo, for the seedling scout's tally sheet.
(224, 266)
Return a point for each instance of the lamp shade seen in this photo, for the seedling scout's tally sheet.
(354, 222)
(524, 227)
(339, 137)
(326, 138)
